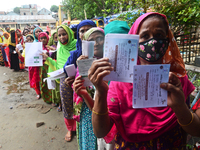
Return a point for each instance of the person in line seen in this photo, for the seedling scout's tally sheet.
(29, 39)
(34, 76)
(52, 45)
(19, 40)
(146, 128)
(26, 32)
(7, 28)
(83, 102)
(5, 49)
(36, 33)
(82, 27)
(33, 27)
(113, 27)
(33, 72)
(46, 94)
(53, 41)
(48, 30)
(2, 52)
(14, 61)
(74, 29)
(67, 44)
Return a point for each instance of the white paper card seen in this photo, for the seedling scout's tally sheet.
(146, 85)
(32, 53)
(83, 67)
(88, 48)
(71, 70)
(19, 46)
(122, 51)
(56, 74)
(51, 84)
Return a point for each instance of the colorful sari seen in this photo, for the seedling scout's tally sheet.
(46, 94)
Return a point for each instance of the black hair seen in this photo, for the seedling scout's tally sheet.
(164, 21)
(7, 27)
(25, 30)
(75, 32)
(47, 32)
(53, 55)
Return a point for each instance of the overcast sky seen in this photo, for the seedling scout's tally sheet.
(8, 5)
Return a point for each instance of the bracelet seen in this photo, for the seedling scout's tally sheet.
(101, 114)
(189, 122)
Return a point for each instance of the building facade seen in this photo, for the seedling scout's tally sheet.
(21, 21)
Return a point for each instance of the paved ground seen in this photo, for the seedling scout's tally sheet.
(18, 120)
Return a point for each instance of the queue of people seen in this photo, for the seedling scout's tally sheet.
(102, 115)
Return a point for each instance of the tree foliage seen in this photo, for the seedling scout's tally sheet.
(93, 7)
(182, 14)
(17, 10)
(54, 8)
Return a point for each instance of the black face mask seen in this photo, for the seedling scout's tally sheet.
(153, 49)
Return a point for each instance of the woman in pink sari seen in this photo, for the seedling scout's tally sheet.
(146, 128)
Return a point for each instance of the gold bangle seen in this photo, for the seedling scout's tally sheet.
(101, 114)
(189, 122)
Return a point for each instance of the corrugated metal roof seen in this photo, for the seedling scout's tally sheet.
(26, 17)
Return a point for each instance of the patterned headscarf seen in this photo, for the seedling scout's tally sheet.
(172, 55)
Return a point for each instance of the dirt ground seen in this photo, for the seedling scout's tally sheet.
(19, 113)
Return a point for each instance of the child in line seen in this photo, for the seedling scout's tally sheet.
(45, 92)
(33, 71)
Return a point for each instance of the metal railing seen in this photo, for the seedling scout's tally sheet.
(189, 46)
